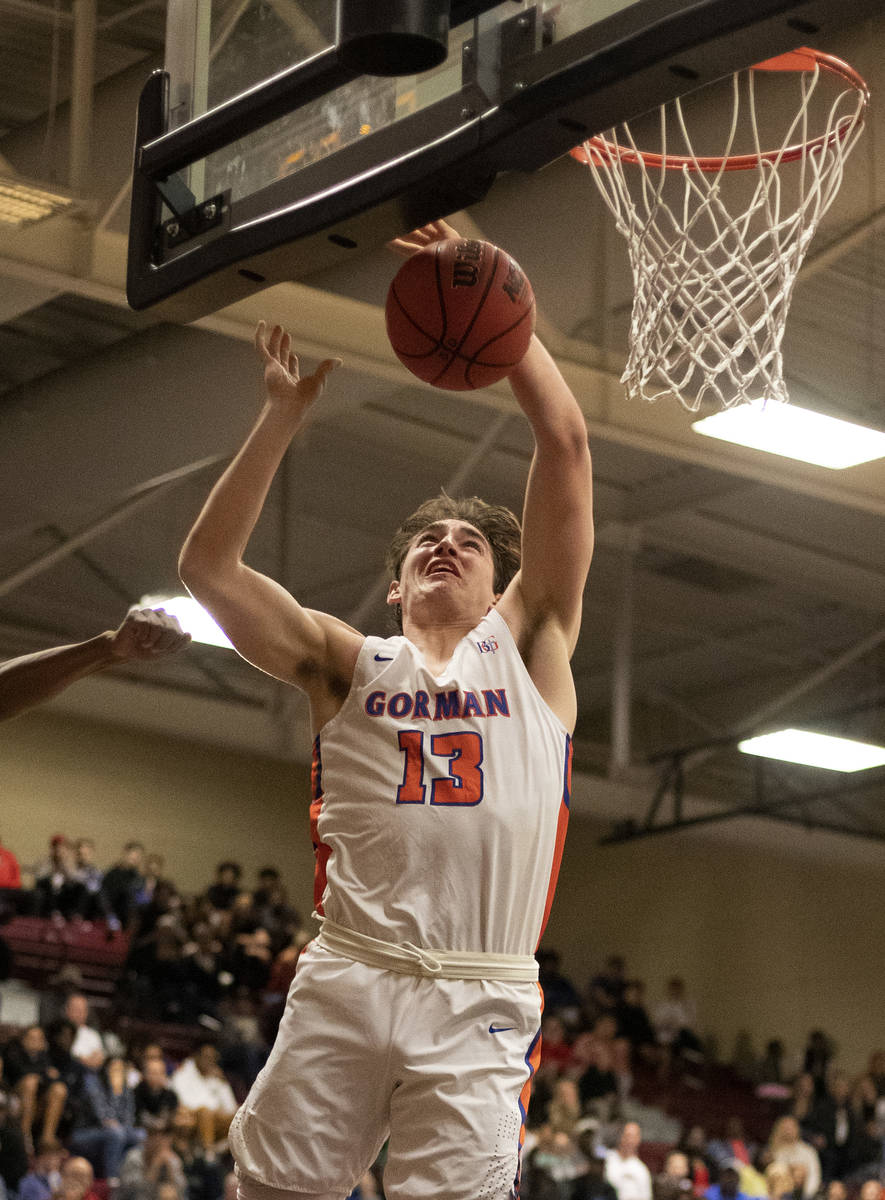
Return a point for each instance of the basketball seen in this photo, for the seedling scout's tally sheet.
(460, 314)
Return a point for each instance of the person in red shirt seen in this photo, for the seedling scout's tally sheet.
(10, 872)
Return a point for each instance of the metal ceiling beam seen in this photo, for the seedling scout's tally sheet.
(136, 499)
(62, 255)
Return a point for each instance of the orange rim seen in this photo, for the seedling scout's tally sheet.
(601, 152)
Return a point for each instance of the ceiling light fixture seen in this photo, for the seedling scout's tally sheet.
(24, 203)
(815, 750)
(192, 618)
(795, 432)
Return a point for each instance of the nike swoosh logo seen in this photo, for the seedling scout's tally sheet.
(500, 1028)
(383, 658)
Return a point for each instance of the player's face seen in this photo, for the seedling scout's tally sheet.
(448, 565)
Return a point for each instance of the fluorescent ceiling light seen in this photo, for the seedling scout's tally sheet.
(24, 203)
(815, 750)
(794, 432)
(192, 618)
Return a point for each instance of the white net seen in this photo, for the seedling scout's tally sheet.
(716, 244)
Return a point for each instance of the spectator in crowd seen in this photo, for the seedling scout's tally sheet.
(597, 1083)
(675, 1023)
(591, 1183)
(634, 1023)
(77, 1179)
(835, 1190)
(223, 893)
(871, 1189)
(57, 890)
(60, 1034)
(564, 1110)
(819, 1052)
(152, 875)
(202, 1088)
(90, 876)
(787, 1147)
(88, 1046)
(834, 1129)
(41, 1094)
(44, 1177)
(202, 1171)
(729, 1184)
(551, 1166)
(268, 880)
(144, 635)
(109, 1129)
(155, 1101)
(607, 988)
(624, 1169)
(802, 1101)
(10, 870)
(556, 1049)
(674, 1181)
(121, 884)
(149, 1165)
(693, 1145)
(733, 1146)
(559, 993)
(779, 1181)
(13, 1152)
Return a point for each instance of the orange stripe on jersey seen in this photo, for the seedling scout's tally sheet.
(561, 827)
(321, 851)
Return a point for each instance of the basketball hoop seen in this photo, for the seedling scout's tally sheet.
(712, 287)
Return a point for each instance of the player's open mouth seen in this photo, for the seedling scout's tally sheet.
(442, 567)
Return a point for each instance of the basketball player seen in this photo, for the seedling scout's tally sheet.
(441, 784)
(144, 635)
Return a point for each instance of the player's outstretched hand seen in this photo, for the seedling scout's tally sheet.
(436, 231)
(282, 379)
(148, 633)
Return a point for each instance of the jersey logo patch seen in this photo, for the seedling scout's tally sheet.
(487, 646)
(493, 1028)
(383, 658)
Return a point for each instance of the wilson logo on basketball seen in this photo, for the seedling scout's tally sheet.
(465, 268)
(514, 284)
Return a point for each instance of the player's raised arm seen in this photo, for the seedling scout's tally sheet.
(265, 623)
(557, 528)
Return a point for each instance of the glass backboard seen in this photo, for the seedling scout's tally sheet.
(260, 156)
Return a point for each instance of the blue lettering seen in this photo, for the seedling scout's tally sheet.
(448, 705)
(400, 705)
(375, 703)
(496, 702)
(421, 702)
(472, 706)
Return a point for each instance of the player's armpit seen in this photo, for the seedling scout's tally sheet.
(271, 630)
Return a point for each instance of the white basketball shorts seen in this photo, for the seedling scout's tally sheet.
(442, 1067)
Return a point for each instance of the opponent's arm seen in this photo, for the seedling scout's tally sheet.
(144, 635)
(265, 623)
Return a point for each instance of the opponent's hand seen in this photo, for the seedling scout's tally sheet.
(148, 633)
(436, 231)
(282, 379)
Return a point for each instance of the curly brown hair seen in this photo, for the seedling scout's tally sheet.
(498, 525)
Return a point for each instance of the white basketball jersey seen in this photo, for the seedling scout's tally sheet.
(440, 802)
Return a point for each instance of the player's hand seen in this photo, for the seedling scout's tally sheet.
(148, 633)
(436, 231)
(285, 386)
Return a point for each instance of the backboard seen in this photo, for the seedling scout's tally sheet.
(261, 156)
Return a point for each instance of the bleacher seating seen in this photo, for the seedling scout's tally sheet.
(90, 952)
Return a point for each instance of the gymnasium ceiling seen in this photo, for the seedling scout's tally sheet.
(756, 582)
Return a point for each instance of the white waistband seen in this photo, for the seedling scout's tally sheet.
(435, 964)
